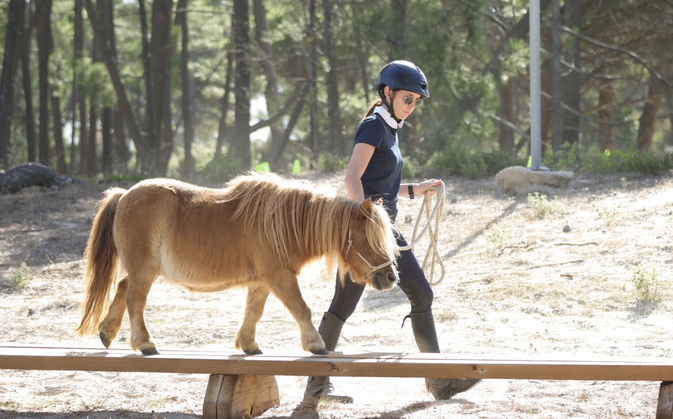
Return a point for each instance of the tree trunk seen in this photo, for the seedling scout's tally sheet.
(31, 132)
(241, 144)
(15, 16)
(398, 45)
(78, 46)
(146, 146)
(546, 106)
(121, 146)
(557, 80)
(161, 60)
(266, 49)
(44, 47)
(106, 135)
(334, 128)
(188, 165)
(113, 71)
(398, 49)
(59, 145)
(313, 64)
(224, 101)
(362, 55)
(91, 160)
(94, 103)
(669, 103)
(277, 150)
(606, 113)
(109, 135)
(573, 81)
(648, 118)
(508, 105)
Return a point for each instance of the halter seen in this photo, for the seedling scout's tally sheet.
(372, 267)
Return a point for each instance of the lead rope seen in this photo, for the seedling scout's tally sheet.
(432, 213)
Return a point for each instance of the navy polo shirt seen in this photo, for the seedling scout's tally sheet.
(383, 174)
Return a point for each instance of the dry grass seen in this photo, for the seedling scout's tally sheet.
(518, 284)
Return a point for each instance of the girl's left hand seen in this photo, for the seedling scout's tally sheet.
(423, 187)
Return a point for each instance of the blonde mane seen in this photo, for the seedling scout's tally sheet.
(288, 211)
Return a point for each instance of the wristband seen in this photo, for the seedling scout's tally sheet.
(411, 191)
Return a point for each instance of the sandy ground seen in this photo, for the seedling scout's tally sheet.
(518, 284)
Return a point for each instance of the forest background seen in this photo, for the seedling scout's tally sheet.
(203, 89)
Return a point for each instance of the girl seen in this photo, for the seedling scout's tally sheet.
(375, 170)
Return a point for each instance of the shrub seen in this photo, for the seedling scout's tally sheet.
(220, 170)
(22, 276)
(571, 158)
(331, 163)
(648, 286)
(541, 205)
(459, 160)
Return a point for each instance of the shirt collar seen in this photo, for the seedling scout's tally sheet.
(385, 114)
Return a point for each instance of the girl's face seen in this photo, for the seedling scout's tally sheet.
(404, 102)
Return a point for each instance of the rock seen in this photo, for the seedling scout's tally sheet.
(521, 180)
(31, 174)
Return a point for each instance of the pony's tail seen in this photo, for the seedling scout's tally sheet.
(102, 263)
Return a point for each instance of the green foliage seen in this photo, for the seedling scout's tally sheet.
(648, 286)
(460, 160)
(541, 205)
(567, 158)
(605, 214)
(331, 163)
(412, 169)
(571, 158)
(22, 276)
(633, 161)
(220, 170)
(497, 237)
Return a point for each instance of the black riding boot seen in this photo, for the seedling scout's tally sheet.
(320, 387)
(423, 326)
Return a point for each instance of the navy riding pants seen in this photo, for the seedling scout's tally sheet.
(412, 281)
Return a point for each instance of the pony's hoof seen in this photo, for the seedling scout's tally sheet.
(322, 351)
(253, 352)
(150, 351)
(104, 339)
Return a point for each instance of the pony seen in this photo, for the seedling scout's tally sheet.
(257, 232)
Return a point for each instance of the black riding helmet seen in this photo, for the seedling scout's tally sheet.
(402, 75)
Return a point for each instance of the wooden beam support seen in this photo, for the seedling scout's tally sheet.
(239, 396)
(665, 404)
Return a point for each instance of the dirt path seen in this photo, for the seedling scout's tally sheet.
(562, 285)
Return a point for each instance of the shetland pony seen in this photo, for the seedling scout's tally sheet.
(257, 232)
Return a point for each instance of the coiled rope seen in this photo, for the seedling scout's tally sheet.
(430, 212)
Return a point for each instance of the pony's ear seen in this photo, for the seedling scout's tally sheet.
(365, 208)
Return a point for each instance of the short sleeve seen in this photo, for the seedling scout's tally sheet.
(371, 131)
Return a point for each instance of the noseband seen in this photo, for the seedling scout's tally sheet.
(372, 267)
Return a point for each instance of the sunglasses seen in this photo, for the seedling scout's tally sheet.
(408, 100)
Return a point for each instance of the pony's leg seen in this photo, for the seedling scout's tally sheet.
(286, 288)
(254, 308)
(136, 300)
(110, 326)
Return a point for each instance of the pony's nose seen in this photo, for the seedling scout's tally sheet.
(392, 277)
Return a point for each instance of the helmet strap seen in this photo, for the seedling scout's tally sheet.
(388, 106)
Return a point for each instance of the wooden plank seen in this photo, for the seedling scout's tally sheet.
(335, 364)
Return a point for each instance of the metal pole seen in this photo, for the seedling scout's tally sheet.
(535, 89)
